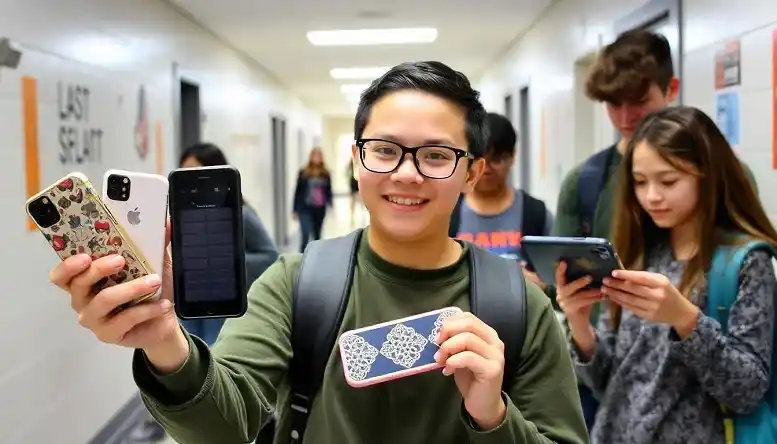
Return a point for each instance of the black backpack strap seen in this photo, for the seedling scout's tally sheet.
(320, 297)
(453, 228)
(504, 311)
(534, 215)
(590, 183)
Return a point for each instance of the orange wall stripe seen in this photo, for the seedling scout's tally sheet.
(160, 158)
(31, 148)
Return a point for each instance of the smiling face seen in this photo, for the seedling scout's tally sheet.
(668, 194)
(403, 204)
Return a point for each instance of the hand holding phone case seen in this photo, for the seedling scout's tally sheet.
(392, 350)
(86, 226)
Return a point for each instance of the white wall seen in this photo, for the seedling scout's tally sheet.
(57, 383)
(335, 154)
(545, 59)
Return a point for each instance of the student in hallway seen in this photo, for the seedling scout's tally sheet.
(312, 197)
(495, 215)
(406, 264)
(633, 76)
(663, 369)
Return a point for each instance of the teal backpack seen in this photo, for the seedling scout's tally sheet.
(759, 427)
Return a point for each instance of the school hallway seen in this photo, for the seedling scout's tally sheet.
(91, 86)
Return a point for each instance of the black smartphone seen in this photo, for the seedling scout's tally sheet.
(206, 219)
(585, 256)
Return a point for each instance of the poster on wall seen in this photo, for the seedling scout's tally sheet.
(727, 66)
(727, 115)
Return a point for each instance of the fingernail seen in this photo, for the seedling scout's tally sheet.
(436, 356)
(153, 280)
(84, 260)
(165, 305)
(606, 281)
(116, 261)
(615, 273)
(446, 372)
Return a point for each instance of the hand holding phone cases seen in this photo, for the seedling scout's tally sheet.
(392, 350)
(74, 220)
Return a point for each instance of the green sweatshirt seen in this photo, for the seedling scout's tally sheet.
(225, 395)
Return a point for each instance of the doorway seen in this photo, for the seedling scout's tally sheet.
(191, 124)
(524, 139)
(593, 129)
(302, 149)
(280, 186)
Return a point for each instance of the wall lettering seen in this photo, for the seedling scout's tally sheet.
(79, 141)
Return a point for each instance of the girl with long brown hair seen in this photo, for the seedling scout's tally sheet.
(312, 197)
(661, 368)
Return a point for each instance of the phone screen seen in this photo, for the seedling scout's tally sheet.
(207, 242)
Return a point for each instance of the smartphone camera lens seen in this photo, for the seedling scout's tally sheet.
(603, 253)
(44, 212)
(119, 187)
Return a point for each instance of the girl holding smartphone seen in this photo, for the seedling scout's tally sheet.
(661, 368)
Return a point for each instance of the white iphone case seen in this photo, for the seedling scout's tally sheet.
(143, 216)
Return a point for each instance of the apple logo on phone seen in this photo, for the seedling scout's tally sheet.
(133, 217)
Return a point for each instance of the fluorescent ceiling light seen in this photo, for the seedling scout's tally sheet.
(372, 72)
(361, 37)
(355, 88)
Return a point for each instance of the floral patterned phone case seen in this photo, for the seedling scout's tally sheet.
(392, 350)
(86, 226)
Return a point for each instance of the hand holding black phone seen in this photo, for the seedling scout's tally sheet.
(205, 206)
(585, 256)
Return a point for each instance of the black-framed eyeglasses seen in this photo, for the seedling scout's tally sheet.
(432, 161)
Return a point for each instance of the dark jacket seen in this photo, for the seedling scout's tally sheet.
(261, 251)
(300, 206)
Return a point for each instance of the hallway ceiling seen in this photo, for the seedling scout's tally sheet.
(471, 35)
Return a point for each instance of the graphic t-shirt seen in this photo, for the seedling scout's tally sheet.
(498, 233)
(316, 196)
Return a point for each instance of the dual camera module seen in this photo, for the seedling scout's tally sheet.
(44, 212)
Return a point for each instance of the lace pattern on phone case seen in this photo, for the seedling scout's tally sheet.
(403, 345)
(438, 325)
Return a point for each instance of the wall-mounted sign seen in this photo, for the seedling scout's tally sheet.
(79, 141)
(727, 66)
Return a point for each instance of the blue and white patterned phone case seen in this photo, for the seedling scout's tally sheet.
(393, 349)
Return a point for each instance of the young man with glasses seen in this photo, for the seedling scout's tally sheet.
(495, 215)
(420, 138)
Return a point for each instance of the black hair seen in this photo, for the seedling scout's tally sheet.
(207, 154)
(434, 78)
(501, 136)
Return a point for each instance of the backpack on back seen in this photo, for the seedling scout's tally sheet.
(590, 183)
(320, 298)
(759, 427)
